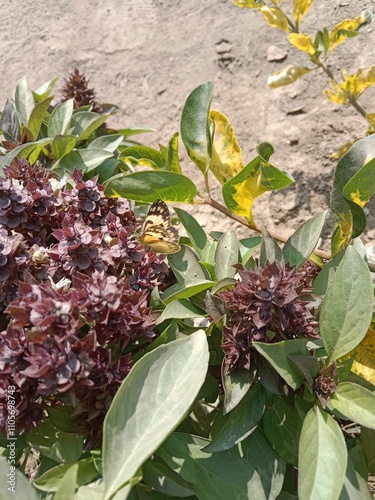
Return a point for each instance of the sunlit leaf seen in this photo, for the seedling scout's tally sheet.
(347, 307)
(37, 115)
(348, 215)
(356, 403)
(226, 255)
(253, 180)
(249, 4)
(198, 237)
(300, 9)
(10, 123)
(181, 309)
(364, 357)
(303, 241)
(186, 289)
(150, 403)
(349, 28)
(322, 456)
(24, 101)
(195, 127)
(85, 122)
(54, 478)
(287, 75)
(60, 118)
(109, 142)
(336, 94)
(44, 90)
(270, 250)
(302, 42)
(20, 487)
(143, 156)
(236, 384)
(226, 153)
(149, 186)
(275, 17)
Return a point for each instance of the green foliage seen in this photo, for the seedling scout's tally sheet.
(246, 389)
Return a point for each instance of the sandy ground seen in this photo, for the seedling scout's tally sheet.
(147, 55)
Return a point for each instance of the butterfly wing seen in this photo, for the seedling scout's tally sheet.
(158, 215)
(157, 231)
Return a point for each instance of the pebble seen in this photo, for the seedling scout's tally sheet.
(276, 54)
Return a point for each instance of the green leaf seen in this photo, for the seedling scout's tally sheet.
(24, 101)
(85, 122)
(362, 152)
(15, 484)
(44, 90)
(181, 309)
(198, 237)
(186, 289)
(271, 468)
(347, 307)
(37, 115)
(23, 151)
(236, 385)
(39, 147)
(10, 124)
(226, 256)
(326, 275)
(279, 354)
(158, 475)
(108, 142)
(240, 422)
(356, 403)
(62, 145)
(144, 156)
(354, 487)
(172, 155)
(63, 447)
(67, 486)
(84, 160)
(61, 417)
(151, 402)
(55, 477)
(60, 118)
(136, 129)
(282, 425)
(252, 181)
(368, 447)
(270, 250)
(219, 476)
(149, 186)
(185, 265)
(195, 127)
(322, 457)
(247, 248)
(302, 243)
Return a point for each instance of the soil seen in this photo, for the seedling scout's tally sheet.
(146, 56)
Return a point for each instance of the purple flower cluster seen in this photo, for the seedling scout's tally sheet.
(265, 306)
(74, 291)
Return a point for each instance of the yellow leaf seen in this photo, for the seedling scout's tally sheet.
(302, 42)
(336, 94)
(247, 4)
(226, 152)
(287, 76)
(342, 150)
(364, 357)
(300, 9)
(370, 117)
(363, 80)
(338, 33)
(274, 17)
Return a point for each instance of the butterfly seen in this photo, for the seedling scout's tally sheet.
(157, 232)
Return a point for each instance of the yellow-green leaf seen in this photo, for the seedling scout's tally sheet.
(302, 42)
(287, 75)
(360, 188)
(363, 80)
(274, 17)
(253, 180)
(336, 94)
(300, 9)
(247, 4)
(348, 28)
(364, 357)
(226, 153)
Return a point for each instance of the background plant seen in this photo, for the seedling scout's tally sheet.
(319, 48)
